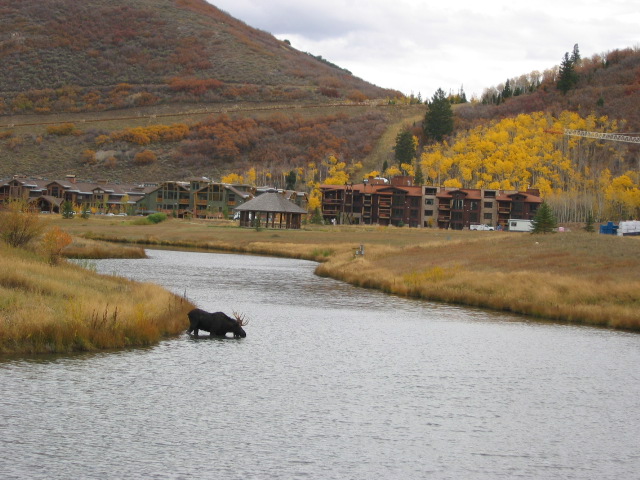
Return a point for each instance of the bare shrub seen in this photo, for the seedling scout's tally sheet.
(19, 224)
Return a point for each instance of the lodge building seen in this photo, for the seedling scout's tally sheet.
(197, 197)
(399, 202)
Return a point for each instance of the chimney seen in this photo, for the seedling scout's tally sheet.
(71, 178)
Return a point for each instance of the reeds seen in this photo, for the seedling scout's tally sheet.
(84, 248)
(572, 276)
(579, 279)
(65, 308)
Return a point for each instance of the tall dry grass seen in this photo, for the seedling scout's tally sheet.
(64, 308)
(573, 277)
(578, 278)
(84, 248)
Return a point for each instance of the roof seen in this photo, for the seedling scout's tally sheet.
(471, 194)
(270, 202)
(381, 188)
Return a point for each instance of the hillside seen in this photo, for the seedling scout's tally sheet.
(606, 84)
(150, 90)
(514, 138)
(101, 67)
(64, 55)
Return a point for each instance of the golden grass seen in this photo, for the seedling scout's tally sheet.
(84, 248)
(572, 277)
(64, 308)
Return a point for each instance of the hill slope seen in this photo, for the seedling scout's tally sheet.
(65, 55)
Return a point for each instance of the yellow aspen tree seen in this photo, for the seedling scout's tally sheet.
(252, 176)
(232, 178)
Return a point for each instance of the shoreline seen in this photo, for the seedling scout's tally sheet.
(573, 278)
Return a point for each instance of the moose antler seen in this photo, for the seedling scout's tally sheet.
(241, 319)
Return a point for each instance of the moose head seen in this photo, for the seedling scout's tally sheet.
(241, 321)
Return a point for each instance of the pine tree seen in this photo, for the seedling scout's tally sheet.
(290, 180)
(438, 121)
(567, 76)
(405, 149)
(575, 56)
(544, 221)
(589, 223)
(418, 178)
(67, 209)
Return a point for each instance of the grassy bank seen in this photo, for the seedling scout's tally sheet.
(573, 277)
(65, 308)
(84, 248)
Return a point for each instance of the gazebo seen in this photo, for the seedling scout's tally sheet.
(270, 210)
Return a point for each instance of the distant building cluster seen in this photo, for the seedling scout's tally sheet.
(376, 201)
(195, 197)
(398, 202)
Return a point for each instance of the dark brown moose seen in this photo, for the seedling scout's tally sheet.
(217, 323)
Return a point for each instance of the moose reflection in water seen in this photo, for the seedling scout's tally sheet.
(217, 323)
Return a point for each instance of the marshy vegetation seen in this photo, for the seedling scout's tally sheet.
(65, 307)
(576, 277)
(50, 305)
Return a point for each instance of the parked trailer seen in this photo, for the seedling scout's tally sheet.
(624, 229)
(516, 225)
(629, 228)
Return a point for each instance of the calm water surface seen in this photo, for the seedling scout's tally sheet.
(332, 382)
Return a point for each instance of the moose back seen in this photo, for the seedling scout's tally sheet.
(217, 323)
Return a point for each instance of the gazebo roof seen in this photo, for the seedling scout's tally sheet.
(270, 202)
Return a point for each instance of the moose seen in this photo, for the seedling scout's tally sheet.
(217, 323)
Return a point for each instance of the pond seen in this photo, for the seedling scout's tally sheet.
(331, 382)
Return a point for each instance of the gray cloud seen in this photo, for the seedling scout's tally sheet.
(417, 47)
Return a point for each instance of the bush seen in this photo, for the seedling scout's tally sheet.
(19, 224)
(146, 157)
(62, 129)
(157, 217)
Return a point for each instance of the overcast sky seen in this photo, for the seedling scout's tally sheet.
(418, 46)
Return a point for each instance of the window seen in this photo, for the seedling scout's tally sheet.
(473, 217)
(517, 207)
(488, 204)
(428, 201)
(488, 216)
(428, 213)
(458, 203)
(430, 191)
(489, 194)
(473, 205)
(398, 212)
(457, 216)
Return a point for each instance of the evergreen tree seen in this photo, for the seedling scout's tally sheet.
(438, 121)
(567, 76)
(418, 178)
(385, 167)
(545, 220)
(86, 211)
(67, 209)
(291, 181)
(589, 224)
(405, 149)
(575, 56)
(506, 91)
